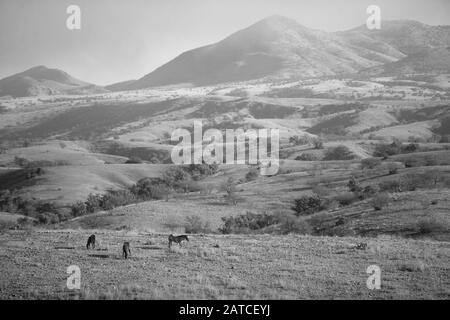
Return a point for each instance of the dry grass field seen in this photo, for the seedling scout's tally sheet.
(34, 266)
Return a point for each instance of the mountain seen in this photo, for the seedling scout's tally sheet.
(276, 47)
(407, 36)
(41, 80)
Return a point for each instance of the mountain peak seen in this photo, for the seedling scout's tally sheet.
(41, 80)
(277, 22)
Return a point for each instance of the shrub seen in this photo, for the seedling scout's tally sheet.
(307, 205)
(298, 141)
(390, 186)
(252, 174)
(317, 143)
(380, 201)
(247, 222)
(370, 163)
(151, 188)
(199, 171)
(174, 175)
(195, 224)
(412, 147)
(431, 225)
(117, 198)
(78, 209)
(346, 199)
(338, 153)
(93, 203)
(289, 223)
(385, 150)
(48, 218)
(353, 185)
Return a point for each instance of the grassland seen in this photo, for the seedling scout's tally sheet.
(220, 267)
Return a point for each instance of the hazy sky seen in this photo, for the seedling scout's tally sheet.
(126, 39)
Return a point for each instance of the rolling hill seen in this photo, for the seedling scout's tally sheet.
(41, 80)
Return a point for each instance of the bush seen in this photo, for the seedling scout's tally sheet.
(289, 223)
(195, 224)
(370, 163)
(317, 143)
(93, 203)
(412, 147)
(117, 198)
(252, 174)
(380, 201)
(150, 188)
(338, 153)
(346, 199)
(299, 141)
(48, 218)
(431, 225)
(390, 186)
(78, 209)
(199, 171)
(247, 222)
(307, 205)
(385, 150)
(174, 175)
(353, 185)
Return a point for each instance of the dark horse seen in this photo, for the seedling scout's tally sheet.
(91, 242)
(126, 250)
(177, 239)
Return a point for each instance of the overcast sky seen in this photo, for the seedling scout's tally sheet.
(126, 39)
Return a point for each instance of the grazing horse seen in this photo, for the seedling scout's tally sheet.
(91, 242)
(177, 239)
(126, 250)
